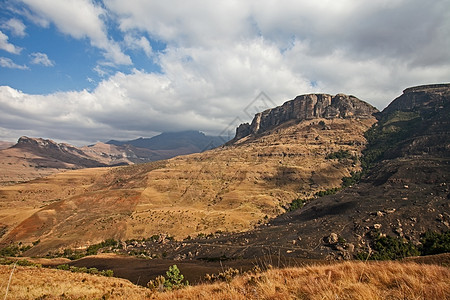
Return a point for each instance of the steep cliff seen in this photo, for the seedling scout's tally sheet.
(404, 194)
(307, 107)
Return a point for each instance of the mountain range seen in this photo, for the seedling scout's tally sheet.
(185, 142)
(32, 158)
(319, 177)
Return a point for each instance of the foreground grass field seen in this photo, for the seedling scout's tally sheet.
(349, 280)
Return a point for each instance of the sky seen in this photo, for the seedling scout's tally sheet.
(83, 71)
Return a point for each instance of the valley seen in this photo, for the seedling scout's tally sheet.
(318, 179)
(229, 189)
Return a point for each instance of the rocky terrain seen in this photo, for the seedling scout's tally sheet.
(404, 192)
(306, 107)
(229, 189)
(237, 201)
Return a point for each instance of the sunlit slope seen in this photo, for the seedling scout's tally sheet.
(228, 189)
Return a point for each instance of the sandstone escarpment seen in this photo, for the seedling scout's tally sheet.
(307, 107)
(423, 97)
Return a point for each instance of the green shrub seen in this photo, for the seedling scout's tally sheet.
(64, 267)
(393, 248)
(331, 191)
(11, 250)
(389, 248)
(354, 178)
(341, 154)
(107, 273)
(174, 279)
(93, 271)
(93, 249)
(296, 204)
(27, 263)
(435, 243)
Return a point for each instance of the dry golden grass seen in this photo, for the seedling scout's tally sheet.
(32, 283)
(229, 189)
(348, 280)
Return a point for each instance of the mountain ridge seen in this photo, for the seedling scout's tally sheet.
(32, 158)
(191, 140)
(306, 107)
(231, 189)
(404, 193)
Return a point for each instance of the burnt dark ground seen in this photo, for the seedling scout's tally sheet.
(405, 194)
(140, 271)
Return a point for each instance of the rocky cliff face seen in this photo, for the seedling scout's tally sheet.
(424, 97)
(306, 107)
(404, 194)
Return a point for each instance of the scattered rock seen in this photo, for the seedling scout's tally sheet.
(331, 239)
(399, 231)
(376, 226)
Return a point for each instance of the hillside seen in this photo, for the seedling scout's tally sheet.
(228, 189)
(404, 191)
(32, 158)
(349, 280)
(5, 145)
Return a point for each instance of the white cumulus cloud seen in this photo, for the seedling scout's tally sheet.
(15, 26)
(38, 58)
(81, 19)
(138, 43)
(8, 63)
(219, 55)
(7, 46)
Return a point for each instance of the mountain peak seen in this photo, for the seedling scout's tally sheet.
(307, 107)
(431, 96)
(25, 141)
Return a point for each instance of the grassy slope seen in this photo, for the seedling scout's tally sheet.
(229, 189)
(349, 280)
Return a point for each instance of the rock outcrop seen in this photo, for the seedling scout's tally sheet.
(424, 97)
(307, 107)
(404, 194)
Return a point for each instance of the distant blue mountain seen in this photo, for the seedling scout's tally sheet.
(191, 141)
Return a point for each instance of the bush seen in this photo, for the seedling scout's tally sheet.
(341, 154)
(331, 191)
(435, 243)
(393, 248)
(64, 267)
(173, 281)
(157, 284)
(296, 204)
(107, 273)
(389, 248)
(354, 178)
(93, 271)
(174, 278)
(226, 275)
(11, 250)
